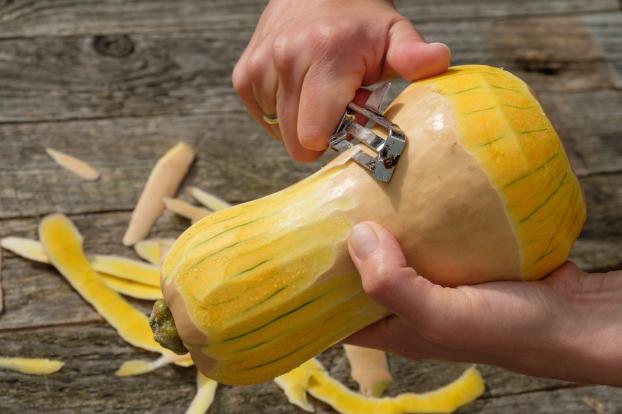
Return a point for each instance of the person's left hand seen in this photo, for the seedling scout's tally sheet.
(567, 325)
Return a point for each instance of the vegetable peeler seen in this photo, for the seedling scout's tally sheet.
(387, 150)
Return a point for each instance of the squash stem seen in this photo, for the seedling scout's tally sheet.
(164, 329)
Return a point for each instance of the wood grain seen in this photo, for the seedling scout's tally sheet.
(147, 74)
(93, 352)
(25, 18)
(124, 151)
(117, 82)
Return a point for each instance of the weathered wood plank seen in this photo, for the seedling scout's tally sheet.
(431, 10)
(603, 28)
(598, 248)
(581, 400)
(124, 151)
(590, 126)
(94, 77)
(69, 17)
(182, 73)
(93, 352)
(35, 295)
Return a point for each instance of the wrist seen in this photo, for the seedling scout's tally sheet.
(598, 342)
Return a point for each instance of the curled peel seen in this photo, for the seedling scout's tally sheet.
(126, 268)
(132, 289)
(295, 385)
(185, 209)
(32, 366)
(122, 283)
(312, 376)
(206, 389)
(208, 200)
(63, 246)
(152, 250)
(139, 366)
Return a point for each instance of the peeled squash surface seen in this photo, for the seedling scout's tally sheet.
(484, 192)
(311, 377)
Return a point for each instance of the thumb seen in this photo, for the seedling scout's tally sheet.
(388, 280)
(410, 57)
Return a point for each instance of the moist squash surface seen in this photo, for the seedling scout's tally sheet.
(483, 192)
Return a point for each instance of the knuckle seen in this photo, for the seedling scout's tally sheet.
(239, 79)
(319, 41)
(379, 283)
(285, 52)
(328, 38)
(256, 66)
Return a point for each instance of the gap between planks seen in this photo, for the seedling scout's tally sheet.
(53, 325)
(183, 29)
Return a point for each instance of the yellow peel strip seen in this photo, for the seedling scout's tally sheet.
(139, 366)
(32, 366)
(26, 248)
(295, 384)
(208, 200)
(73, 164)
(132, 289)
(63, 246)
(185, 209)
(152, 250)
(206, 389)
(126, 268)
(33, 250)
(312, 376)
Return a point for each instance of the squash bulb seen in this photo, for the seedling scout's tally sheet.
(483, 192)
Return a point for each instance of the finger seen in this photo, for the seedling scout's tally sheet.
(387, 278)
(377, 335)
(326, 91)
(395, 335)
(292, 65)
(264, 80)
(409, 57)
(244, 88)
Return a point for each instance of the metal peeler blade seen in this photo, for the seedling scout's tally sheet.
(388, 150)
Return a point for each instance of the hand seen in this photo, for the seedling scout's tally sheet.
(566, 326)
(306, 61)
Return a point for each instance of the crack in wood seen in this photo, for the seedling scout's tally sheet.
(549, 388)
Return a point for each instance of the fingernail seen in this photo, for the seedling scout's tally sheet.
(439, 44)
(363, 240)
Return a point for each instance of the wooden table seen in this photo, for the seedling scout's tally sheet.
(117, 82)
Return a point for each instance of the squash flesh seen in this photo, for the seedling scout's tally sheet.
(524, 159)
(484, 193)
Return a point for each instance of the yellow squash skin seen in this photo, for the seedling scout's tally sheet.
(484, 192)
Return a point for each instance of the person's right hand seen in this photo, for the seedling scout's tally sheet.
(306, 60)
(566, 326)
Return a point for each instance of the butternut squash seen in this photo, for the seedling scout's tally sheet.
(483, 192)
